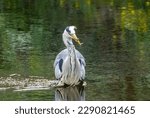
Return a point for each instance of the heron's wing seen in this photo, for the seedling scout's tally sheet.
(58, 63)
(82, 64)
(80, 57)
(62, 55)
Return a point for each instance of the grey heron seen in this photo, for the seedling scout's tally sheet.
(69, 63)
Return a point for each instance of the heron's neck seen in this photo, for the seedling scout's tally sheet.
(71, 51)
(67, 41)
(70, 46)
(72, 60)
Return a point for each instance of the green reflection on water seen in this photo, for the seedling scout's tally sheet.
(116, 44)
(27, 95)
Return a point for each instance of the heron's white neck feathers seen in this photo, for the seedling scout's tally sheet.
(67, 39)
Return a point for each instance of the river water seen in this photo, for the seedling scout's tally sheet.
(116, 46)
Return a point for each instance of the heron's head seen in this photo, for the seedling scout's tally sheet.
(70, 34)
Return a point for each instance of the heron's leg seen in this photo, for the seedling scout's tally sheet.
(60, 83)
(82, 83)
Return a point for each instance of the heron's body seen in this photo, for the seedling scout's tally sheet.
(71, 74)
(69, 65)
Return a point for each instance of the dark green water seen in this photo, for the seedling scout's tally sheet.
(116, 37)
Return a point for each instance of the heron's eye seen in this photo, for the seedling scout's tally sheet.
(67, 29)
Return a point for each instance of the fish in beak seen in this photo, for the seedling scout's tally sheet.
(75, 38)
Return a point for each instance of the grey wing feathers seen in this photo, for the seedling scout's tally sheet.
(59, 59)
(80, 56)
(63, 54)
(82, 64)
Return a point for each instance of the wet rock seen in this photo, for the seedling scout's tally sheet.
(14, 75)
(32, 82)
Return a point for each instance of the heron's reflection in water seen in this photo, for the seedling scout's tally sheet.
(75, 93)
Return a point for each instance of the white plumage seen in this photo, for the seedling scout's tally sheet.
(69, 63)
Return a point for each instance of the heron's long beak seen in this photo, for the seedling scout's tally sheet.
(75, 38)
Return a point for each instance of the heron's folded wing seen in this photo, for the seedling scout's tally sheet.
(62, 55)
(81, 58)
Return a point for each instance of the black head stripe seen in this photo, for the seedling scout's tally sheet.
(67, 29)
